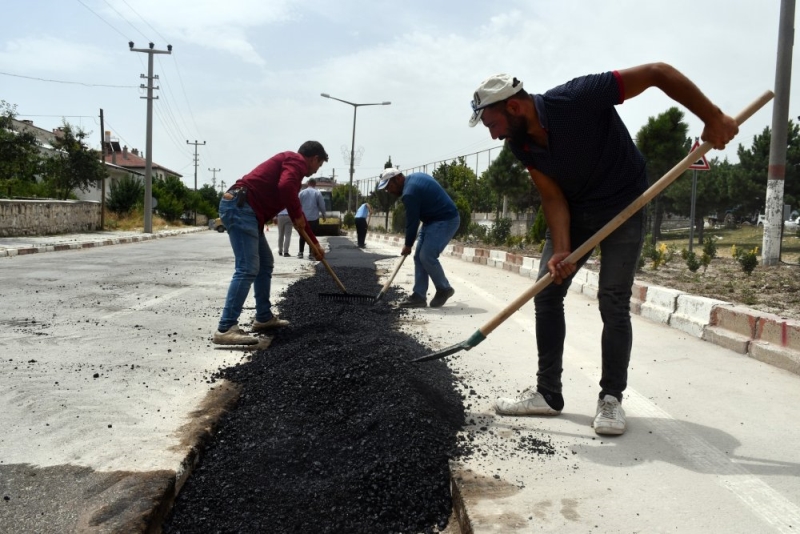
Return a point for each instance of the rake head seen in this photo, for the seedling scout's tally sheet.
(347, 298)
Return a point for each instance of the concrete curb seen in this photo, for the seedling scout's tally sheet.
(92, 243)
(765, 337)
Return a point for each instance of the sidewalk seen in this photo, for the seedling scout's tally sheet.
(17, 246)
(763, 336)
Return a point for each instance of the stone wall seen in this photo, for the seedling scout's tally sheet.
(45, 217)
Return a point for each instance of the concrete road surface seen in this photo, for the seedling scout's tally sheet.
(105, 390)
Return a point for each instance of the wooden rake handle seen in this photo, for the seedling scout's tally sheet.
(391, 279)
(623, 216)
(312, 246)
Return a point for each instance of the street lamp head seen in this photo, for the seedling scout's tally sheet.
(130, 44)
(385, 103)
(169, 48)
(326, 95)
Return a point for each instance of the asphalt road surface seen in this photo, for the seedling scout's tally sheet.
(105, 386)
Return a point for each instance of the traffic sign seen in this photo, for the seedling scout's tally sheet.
(702, 163)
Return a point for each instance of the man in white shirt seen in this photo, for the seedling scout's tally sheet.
(313, 205)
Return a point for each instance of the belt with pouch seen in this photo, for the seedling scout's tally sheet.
(238, 193)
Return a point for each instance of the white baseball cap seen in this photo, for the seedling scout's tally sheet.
(492, 90)
(387, 175)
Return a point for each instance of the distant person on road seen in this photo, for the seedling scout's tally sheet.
(284, 224)
(313, 205)
(254, 199)
(427, 202)
(587, 169)
(363, 214)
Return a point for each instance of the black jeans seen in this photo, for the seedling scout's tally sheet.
(314, 228)
(618, 261)
(361, 230)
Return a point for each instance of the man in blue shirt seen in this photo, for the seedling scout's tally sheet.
(587, 169)
(427, 202)
(363, 214)
(313, 205)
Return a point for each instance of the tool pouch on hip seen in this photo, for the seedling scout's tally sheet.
(241, 197)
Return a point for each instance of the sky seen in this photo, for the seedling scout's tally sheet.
(245, 76)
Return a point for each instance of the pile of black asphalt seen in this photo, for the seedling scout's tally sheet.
(335, 431)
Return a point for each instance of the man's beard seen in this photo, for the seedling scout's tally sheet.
(517, 128)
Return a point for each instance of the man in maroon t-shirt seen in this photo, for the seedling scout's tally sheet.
(244, 208)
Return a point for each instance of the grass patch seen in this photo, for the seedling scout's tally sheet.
(745, 237)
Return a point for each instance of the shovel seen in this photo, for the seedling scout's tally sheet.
(480, 334)
(389, 282)
(344, 296)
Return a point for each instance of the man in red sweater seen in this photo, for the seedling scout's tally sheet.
(252, 201)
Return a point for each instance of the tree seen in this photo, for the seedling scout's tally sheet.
(126, 193)
(172, 196)
(663, 142)
(382, 199)
(73, 165)
(754, 165)
(508, 177)
(340, 194)
(461, 184)
(20, 158)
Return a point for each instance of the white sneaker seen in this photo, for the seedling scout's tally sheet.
(273, 323)
(234, 336)
(610, 418)
(529, 402)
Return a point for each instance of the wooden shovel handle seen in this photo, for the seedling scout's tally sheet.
(312, 246)
(623, 216)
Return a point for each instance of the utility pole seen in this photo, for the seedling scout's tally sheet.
(148, 166)
(214, 177)
(776, 171)
(103, 181)
(195, 170)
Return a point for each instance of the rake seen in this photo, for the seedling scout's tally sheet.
(344, 296)
(480, 334)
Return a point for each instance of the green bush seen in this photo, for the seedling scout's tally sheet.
(747, 259)
(500, 232)
(691, 261)
(169, 207)
(126, 193)
(710, 248)
(399, 219)
(537, 230)
(349, 220)
(478, 231)
(465, 213)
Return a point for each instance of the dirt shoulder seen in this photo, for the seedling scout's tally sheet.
(774, 289)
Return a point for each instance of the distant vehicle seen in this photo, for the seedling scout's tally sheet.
(216, 224)
(332, 223)
(792, 224)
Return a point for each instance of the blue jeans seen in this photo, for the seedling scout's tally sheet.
(254, 264)
(432, 239)
(618, 262)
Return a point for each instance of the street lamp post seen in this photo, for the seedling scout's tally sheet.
(353, 143)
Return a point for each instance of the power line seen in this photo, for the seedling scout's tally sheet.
(104, 20)
(143, 20)
(72, 83)
(126, 20)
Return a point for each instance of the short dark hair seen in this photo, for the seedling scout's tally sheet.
(312, 181)
(309, 149)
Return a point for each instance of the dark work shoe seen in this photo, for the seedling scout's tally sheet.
(413, 301)
(441, 297)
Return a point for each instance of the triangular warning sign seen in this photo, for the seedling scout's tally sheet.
(702, 163)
